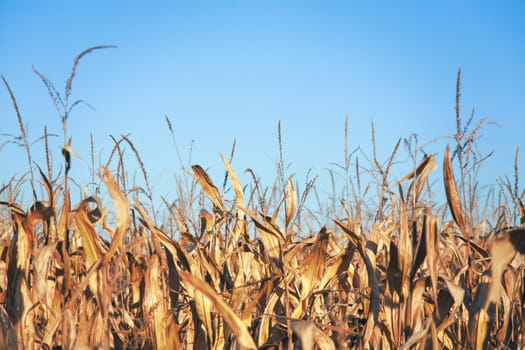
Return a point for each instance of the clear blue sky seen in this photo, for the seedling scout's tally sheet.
(232, 69)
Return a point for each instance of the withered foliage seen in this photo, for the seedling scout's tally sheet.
(227, 273)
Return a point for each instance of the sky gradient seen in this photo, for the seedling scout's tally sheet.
(231, 70)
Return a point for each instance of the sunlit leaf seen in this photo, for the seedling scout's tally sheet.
(121, 213)
(451, 191)
(207, 185)
(244, 338)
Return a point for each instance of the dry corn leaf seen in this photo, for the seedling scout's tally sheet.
(420, 247)
(20, 302)
(67, 152)
(249, 310)
(291, 203)
(207, 185)
(331, 271)
(480, 332)
(416, 307)
(173, 341)
(355, 239)
(121, 213)
(323, 341)
(476, 248)
(271, 236)
(422, 171)
(96, 214)
(449, 301)
(305, 332)
(90, 240)
(506, 313)
(432, 241)
(452, 195)
(268, 316)
(44, 283)
(503, 250)
(369, 258)
(313, 266)
(8, 338)
(404, 253)
(186, 261)
(19, 298)
(92, 248)
(38, 212)
(207, 222)
(239, 228)
(154, 304)
(84, 327)
(173, 254)
(418, 336)
(393, 274)
(244, 338)
(181, 222)
(266, 320)
(368, 254)
(62, 231)
(47, 186)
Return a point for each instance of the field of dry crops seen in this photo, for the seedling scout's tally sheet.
(253, 268)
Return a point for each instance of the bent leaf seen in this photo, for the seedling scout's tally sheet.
(244, 338)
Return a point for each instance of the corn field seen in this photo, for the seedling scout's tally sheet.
(253, 268)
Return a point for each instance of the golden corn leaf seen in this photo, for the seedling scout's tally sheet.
(452, 194)
(314, 264)
(415, 305)
(207, 221)
(369, 258)
(432, 242)
(480, 333)
(121, 213)
(267, 318)
(63, 221)
(417, 337)
(239, 199)
(323, 341)
(181, 223)
(8, 338)
(305, 332)
(405, 252)
(90, 240)
(207, 185)
(271, 236)
(249, 310)
(503, 250)
(291, 202)
(421, 173)
(204, 308)
(172, 246)
(154, 304)
(44, 284)
(457, 293)
(244, 338)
